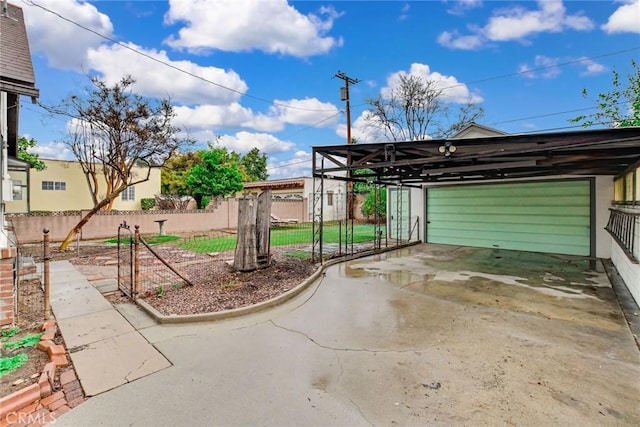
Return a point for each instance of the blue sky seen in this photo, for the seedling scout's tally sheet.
(262, 72)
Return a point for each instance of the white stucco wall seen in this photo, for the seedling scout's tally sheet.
(603, 198)
(417, 212)
(629, 271)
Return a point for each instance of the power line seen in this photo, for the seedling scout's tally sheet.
(533, 70)
(166, 64)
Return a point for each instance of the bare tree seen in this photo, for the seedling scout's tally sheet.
(417, 109)
(117, 137)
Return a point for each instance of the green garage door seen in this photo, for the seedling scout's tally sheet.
(551, 217)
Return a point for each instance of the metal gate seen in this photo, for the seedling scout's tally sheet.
(125, 260)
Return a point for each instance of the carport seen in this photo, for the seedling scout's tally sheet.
(545, 192)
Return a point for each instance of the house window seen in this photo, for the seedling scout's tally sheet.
(627, 188)
(129, 193)
(17, 189)
(54, 186)
(329, 198)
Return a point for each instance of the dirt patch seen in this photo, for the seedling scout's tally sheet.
(29, 372)
(229, 289)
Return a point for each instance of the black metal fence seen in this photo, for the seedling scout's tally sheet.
(623, 227)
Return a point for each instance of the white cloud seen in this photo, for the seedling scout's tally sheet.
(518, 23)
(461, 6)
(64, 44)
(454, 40)
(543, 67)
(53, 150)
(626, 19)
(299, 165)
(404, 12)
(592, 68)
(360, 131)
(308, 111)
(272, 26)
(115, 61)
(242, 142)
(453, 90)
(212, 117)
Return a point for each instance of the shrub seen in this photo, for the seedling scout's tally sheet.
(147, 203)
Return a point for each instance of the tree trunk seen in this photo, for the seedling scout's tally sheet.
(263, 225)
(245, 257)
(74, 231)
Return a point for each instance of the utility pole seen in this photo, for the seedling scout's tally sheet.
(344, 96)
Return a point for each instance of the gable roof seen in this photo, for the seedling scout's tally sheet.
(474, 130)
(585, 152)
(16, 67)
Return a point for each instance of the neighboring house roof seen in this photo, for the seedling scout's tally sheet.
(474, 130)
(276, 184)
(16, 67)
(586, 152)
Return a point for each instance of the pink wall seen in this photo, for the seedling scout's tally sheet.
(28, 227)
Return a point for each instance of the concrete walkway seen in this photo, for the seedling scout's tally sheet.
(428, 335)
(106, 350)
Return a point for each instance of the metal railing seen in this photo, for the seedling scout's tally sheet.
(622, 226)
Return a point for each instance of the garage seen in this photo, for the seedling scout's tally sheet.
(545, 192)
(541, 216)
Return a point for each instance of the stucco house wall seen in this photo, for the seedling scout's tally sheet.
(333, 197)
(71, 191)
(628, 269)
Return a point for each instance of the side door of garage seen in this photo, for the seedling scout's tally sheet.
(399, 217)
(544, 216)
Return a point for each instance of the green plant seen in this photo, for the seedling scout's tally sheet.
(230, 284)
(205, 201)
(27, 341)
(10, 364)
(160, 291)
(8, 333)
(147, 203)
(176, 286)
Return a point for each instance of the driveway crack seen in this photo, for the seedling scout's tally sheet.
(348, 349)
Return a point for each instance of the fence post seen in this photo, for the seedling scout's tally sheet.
(339, 237)
(47, 283)
(136, 262)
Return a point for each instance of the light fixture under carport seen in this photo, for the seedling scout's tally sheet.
(447, 149)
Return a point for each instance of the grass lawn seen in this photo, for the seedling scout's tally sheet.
(152, 240)
(292, 234)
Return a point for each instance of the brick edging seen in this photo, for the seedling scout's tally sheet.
(38, 403)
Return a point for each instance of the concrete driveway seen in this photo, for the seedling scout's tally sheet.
(427, 335)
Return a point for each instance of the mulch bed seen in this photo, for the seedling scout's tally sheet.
(228, 289)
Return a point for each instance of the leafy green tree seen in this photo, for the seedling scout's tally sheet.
(217, 175)
(24, 145)
(619, 107)
(175, 171)
(370, 207)
(254, 165)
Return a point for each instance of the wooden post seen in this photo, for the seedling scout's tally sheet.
(263, 227)
(136, 263)
(47, 280)
(245, 257)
